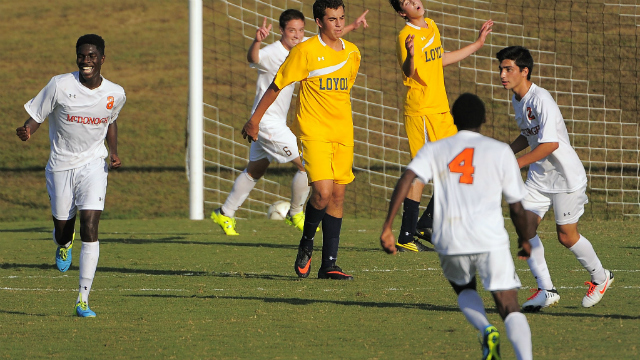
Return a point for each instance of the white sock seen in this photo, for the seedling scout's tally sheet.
(299, 192)
(88, 263)
(538, 264)
(473, 309)
(519, 334)
(583, 250)
(241, 188)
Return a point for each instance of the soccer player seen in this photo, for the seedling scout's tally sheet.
(555, 178)
(275, 141)
(82, 108)
(326, 67)
(471, 173)
(426, 107)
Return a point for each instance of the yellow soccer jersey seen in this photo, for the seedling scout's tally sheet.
(323, 111)
(426, 94)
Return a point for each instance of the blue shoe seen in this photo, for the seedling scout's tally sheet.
(82, 310)
(63, 256)
(490, 343)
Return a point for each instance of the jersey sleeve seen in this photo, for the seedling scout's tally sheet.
(117, 108)
(43, 104)
(512, 186)
(355, 68)
(548, 114)
(293, 69)
(264, 60)
(421, 164)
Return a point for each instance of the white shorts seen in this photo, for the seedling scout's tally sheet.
(276, 143)
(568, 207)
(496, 269)
(82, 188)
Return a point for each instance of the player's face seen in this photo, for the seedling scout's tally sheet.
(292, 33)
(332, 24)
(510, 75)
(412, 9)
(89, 61)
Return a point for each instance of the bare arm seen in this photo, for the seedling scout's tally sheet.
(519, 144)
(408, 67)
(524, 228)
(112, 142)
(253, 55)
(387, 240)
(361, 20)
(449, 58)
(25, 131)
(540, 152)
(251, 127)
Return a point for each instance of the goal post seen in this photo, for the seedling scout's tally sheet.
(195, 132)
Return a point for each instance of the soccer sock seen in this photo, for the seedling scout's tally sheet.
(88, 263)
(538, 264)
(409, 221)
(330, 240)
(426, 220)
(299, 192)
(241, 188)
(312, 219)
(519, 334)
(473, 309)
(583, 250)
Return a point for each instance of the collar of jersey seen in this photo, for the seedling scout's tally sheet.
(416, 27)
(323, 44)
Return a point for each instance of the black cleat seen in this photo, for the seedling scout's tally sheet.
(334, 272)
(424, 234)
(303, 262)
(415, 246)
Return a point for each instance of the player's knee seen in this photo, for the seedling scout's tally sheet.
(568, 239)
(320, 198)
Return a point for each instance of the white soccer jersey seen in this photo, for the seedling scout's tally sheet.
(78, 118)
(271, 57)
(470, 173)
(540, 121)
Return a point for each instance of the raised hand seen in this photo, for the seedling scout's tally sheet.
(263, 31)
(484, 31)
(408, 44)
(361, 20)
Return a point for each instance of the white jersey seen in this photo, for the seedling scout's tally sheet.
(470, 173)
(540, 121)
(78, 119)
(271, 57)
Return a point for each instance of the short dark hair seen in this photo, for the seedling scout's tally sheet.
(91, 39)
(396, 6)
(320, 7)
(468, 112)
(520, 55)
(288, 15)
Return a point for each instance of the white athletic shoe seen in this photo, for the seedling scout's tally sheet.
(541, 299)
(596, 292)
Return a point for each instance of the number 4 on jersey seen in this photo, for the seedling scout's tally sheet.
(463, 164)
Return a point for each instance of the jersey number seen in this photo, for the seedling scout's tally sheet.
(463, 164)
(110, 101)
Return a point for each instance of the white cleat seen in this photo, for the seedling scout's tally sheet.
(595, 291)
(541, 299)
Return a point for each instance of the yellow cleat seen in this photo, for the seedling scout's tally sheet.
(227, 224)
(297, 221)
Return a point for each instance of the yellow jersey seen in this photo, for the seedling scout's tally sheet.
(426, 93)
(323, 110)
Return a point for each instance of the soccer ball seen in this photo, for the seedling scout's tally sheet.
(278, 210)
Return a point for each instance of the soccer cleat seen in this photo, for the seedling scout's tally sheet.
(227, 224)
(63, 255)
(541, 299)
(595, 291)
(296, 220)
(334, 272)
(490, 343)
(414, 245)
(303, 262)
(424, 234)
(82, 310)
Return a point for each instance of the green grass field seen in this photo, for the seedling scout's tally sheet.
(181, 289)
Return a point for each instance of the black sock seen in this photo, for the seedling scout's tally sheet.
(330, 240)
(426, 220)
(409, 220)
(312, 219)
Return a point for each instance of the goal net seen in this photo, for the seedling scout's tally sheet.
(585, 55)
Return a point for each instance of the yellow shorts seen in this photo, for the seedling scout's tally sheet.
(328, 161)
(430, 127)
